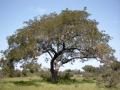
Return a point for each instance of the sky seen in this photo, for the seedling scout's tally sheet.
(14, 12)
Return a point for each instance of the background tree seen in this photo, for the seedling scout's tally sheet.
(89, 68)
(115, 65)
(108, 75)
(31, 68)
(6, 69)
(66, 37)
(89, 72)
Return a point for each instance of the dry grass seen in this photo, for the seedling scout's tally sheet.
(35, 83)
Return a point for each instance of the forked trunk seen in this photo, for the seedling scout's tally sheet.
(54, 67)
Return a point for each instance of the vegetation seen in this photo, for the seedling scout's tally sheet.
(30, 68)
(106, 76)
(109, 75)
(64, 37)
(36, 83)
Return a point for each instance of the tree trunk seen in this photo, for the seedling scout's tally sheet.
(53, 69)
(11, 68)
(54, 76)
(54, 73)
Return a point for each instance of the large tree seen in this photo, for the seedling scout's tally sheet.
(67, 36)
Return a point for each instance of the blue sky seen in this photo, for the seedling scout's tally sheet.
(14, 12)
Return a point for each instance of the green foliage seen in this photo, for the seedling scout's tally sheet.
(67, 30)
(17, 73)
(109, 75)
(90, 72)
(65, 75)
(45, 75)
(66, 36)
(106, 75)
(115, 66)
(35, 83)
(7, 67)
(30, 68)
(89, 68)
(108, 79)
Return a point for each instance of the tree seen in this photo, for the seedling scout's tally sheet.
(89, 71)
(89, 68)
(6, 67)
(66, 37)
(31, 67)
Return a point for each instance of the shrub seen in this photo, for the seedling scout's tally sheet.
(108, 79)
(45, 75)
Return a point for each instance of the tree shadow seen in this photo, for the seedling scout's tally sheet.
(39, 81)
(74, 81)
(27, 83)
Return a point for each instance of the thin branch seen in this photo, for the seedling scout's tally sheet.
(50, 54)
(71, 49)
(51, 49)
(68, 60)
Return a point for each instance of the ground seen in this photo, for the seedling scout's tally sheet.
(36, 83)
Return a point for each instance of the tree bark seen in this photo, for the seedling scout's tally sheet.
(54, 76)
(54, 72)
(11, 68)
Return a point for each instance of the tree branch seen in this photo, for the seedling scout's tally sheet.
(50, 54)
(68, 60)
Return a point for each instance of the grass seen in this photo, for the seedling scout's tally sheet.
(36, 83)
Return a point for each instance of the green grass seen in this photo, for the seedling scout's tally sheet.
(36, 83)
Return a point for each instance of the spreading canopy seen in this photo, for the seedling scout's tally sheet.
(66, 36)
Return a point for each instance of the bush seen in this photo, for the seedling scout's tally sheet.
(108, 79)
(17, 73)
(62, 76)
(45, 75)
(66, 75)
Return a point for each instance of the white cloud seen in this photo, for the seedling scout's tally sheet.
(39, 10)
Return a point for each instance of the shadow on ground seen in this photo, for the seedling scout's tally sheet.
(38, 82)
